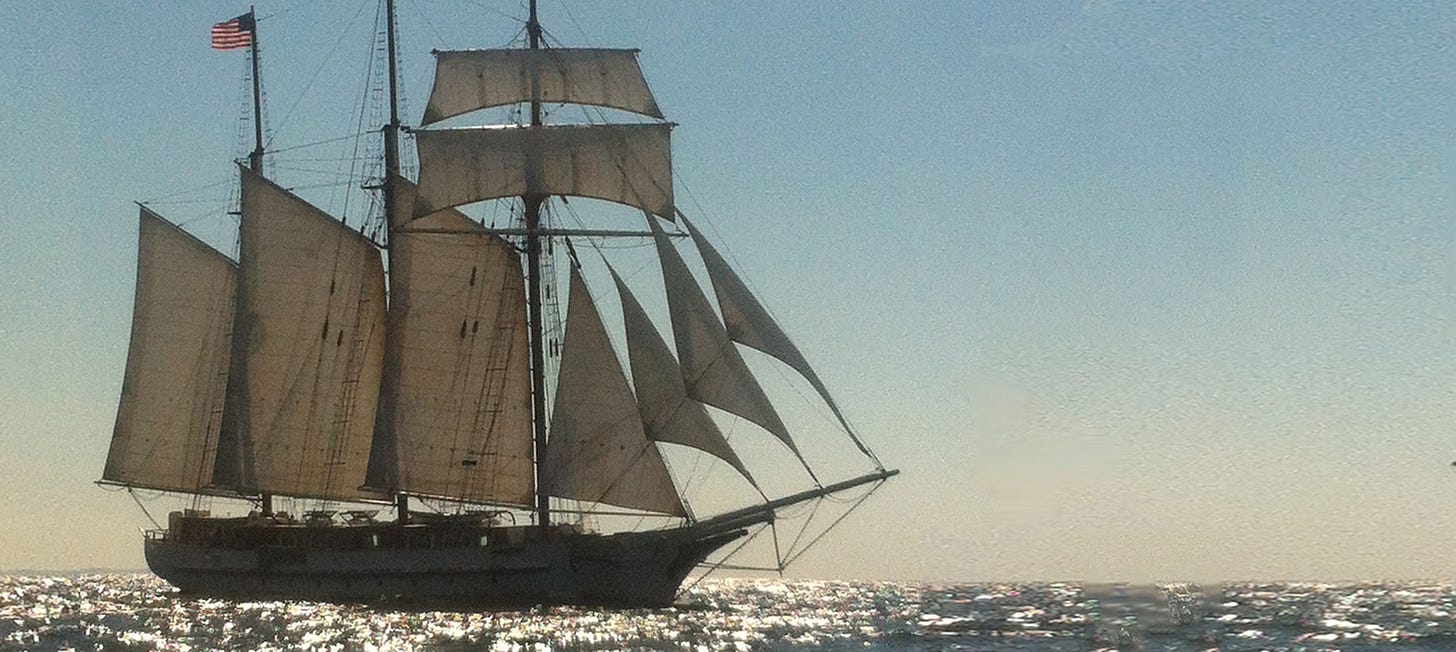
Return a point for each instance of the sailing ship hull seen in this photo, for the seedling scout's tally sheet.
(631, 569)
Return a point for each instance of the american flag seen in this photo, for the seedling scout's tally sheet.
(233, 34)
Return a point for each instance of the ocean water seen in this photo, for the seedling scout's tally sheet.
(139, 612)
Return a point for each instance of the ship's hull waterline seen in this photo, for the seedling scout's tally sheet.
(630, 569)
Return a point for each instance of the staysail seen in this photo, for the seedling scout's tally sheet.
(668, 415)
(748, 323)
(628, 164)
(712, 369)
(455, 408)
(469, 80)
(176, 368)
(598, 452)
(308, 341)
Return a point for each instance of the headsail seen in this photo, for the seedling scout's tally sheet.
(455, 407)
(176, 368)
(748, 323)
(662, 399)
(469, 80)
(597, 451)
(629, 164)
(308, 340)
(712, 369)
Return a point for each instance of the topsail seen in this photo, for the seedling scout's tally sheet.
(628, 164)
(468, 80)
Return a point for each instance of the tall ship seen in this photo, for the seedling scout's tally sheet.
(454, 441)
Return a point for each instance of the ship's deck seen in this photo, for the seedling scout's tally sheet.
(257, 531)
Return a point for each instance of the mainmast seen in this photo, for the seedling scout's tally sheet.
(391, 130)
(533, 203)
(391, 172)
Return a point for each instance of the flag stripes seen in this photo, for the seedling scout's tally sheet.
(233, 34)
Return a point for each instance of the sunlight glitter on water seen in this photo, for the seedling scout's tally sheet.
(143, 612)
(140, 612)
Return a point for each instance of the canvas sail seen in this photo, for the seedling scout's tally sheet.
(597, 451)
(629, 164)
(308, 337)
(167, 424)
(455, 408)
(748, 323)
(469, 80)
(712, 370)
(668, 415)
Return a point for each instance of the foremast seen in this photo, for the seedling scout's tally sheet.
(255, 163)
(533, 202)
(391, 199)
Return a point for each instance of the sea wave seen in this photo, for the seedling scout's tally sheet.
(140, 612)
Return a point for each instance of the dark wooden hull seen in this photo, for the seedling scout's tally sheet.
(633, 569)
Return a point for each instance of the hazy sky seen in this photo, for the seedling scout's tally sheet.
(1128, 291)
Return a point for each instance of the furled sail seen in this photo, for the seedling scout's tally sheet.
(468, 80)
(176, 366)
(748, 323)
(625, 163)
(597, 451)
(712, 369)
(455, 407)
(667, 413)
(309, 336)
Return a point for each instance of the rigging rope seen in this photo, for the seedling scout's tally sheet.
(282, 12)
(190, 202)
(317, 71)
(214, 184)
(138, 501)
(425, 18)
(836, 522)
(805, 528)
(720, 564)
(572, 17)
(359, 130)
(317, 143)
(489, 9)
(346, 177)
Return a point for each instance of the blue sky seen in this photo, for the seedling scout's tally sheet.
(1129, 291)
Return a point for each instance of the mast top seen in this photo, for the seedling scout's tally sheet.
(533, 28)
(255, 158)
